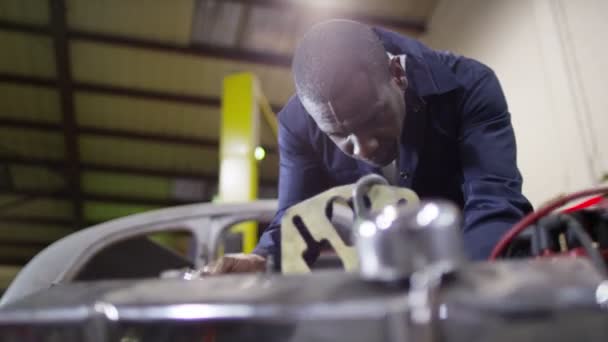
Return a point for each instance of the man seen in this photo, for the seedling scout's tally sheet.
(370, 100)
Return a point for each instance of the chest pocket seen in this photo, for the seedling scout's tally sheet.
(444, 117)
(439, 157)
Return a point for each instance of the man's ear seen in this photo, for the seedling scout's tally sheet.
(397, 72)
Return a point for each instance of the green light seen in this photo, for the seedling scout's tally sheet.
(259, 153)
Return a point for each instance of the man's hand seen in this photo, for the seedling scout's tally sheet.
(238, 263)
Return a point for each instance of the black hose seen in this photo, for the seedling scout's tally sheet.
(585, 240)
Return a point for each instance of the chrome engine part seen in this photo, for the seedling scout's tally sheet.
(506, 301)
(413, 284)
(395, 242)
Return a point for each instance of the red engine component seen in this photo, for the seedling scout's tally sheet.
(577, 231)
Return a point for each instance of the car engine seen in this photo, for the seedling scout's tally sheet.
(405, 277)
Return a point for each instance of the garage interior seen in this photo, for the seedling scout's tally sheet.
(110, 108)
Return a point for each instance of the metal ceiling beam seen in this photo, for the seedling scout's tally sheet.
(110, 133)
(417, 25)
(14, 261)
(113, 90)
(65, 195)
(217, 51)
(138, 171)
(141, 171)
(28, 124)
(243, 24)
(200, 100)
(36, 220)
(150, 137)
(117, 133)
(64, 82)
(14, 26)
(198, 49)
(24, 244)
(194, 49)
(6, 221)
(130, 170)
(28, 80)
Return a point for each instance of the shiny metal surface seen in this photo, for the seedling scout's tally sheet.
(507, 301)
(435, 228)
(536, 300)
(383, 248)
(62, 260)
(397, 241)
(232, 296)
(414, 285)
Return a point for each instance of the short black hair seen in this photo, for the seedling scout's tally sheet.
(330, 52)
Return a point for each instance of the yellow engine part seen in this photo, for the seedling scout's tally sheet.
(312, 214)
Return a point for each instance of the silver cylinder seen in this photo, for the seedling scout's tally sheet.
(436, 230)
(398, 241)
(384, 249)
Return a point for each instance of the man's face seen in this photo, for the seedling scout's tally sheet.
(365, 119)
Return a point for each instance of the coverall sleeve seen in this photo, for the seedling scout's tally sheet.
(492, 182)
(301, 175)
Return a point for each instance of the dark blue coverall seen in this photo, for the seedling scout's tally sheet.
(457, 143)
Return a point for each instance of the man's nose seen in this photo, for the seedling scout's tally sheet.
(363, 147)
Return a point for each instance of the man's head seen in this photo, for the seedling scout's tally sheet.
(352, 89)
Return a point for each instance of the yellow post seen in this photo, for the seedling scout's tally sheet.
(239, 136)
